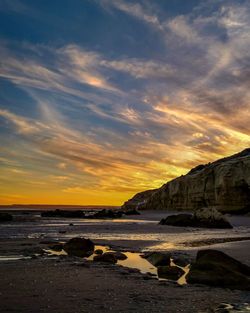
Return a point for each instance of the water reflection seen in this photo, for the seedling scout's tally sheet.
(134, 260)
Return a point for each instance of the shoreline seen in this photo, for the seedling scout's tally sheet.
(70, 284)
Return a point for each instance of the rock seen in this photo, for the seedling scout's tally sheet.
(230, 308)
(205, 217)
(56, 247)
(63, 213)
(178, 220)
(80, 247)
(99, 251)
(170, 272)
(181, 261)
(106, 258)
(132, 212)
(107, 214)
(118, 255)
(158, 258)
(5, 217)
(33, 251)
(139, 199)
(223, 184)
(211, 218)
(71, 224)
(216, 268)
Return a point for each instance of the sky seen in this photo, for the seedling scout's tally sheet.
(101, 99)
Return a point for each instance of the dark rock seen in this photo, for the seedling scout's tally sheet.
(181, 261)
(178, 220)
(132, 212)
(139, 199)
(158, 258)
(5, 217)
(118, 255)
(107, 214)
(63, 213)
(170, 272)
(99, 251)
(106, 258)
(223, 184)
(33, 251)
(205, 217)
(80, 247)
(216, 268)
(56, 247)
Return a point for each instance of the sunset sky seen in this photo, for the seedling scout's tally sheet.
(100, 99)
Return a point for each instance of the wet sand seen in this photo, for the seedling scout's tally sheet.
(66, 284)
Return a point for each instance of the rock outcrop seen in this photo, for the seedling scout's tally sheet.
(80, 247)
(215, 268)
(205, 217)
(5, 217)
(223, 184)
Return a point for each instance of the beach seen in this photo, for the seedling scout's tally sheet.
(33, 280)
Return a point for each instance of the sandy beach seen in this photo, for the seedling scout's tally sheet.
(34, 281)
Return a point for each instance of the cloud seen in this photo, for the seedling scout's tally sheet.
(134, 9)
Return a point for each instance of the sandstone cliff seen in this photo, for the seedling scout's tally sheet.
(223, 184)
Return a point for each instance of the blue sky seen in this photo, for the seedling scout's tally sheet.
(101, 99)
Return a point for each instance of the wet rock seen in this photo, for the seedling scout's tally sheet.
(182, 220)
(56, 247)
(211, 218)
(107, 214)
(158, 258)
(99, 251)
(231, 308)
(5, 217)
(106, 258)
(204, 218)
(118, 255)
(63, 213)
(33, 251)
(216, 268)
(181, 261)
(170, 272)
(132, 212)
(80, 247)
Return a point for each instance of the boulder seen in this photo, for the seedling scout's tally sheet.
(205, 217)
(158, 258)
(56, 247)
(63, 214)
(99, 251)
(223, 184)
(5, 217)
(106, 257)
(216, 268)
(178, 220)
(170, 272)
(107, 214)
(119, 255)
(132, 212)
(80, 247)
(210, 218)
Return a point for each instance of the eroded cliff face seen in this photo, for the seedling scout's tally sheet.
(223, 184)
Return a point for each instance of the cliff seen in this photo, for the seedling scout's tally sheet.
(223, 184)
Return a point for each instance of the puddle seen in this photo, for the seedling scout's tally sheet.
(13, 257)
(134, 260)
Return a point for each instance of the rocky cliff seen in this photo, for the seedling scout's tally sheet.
(223, 184)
